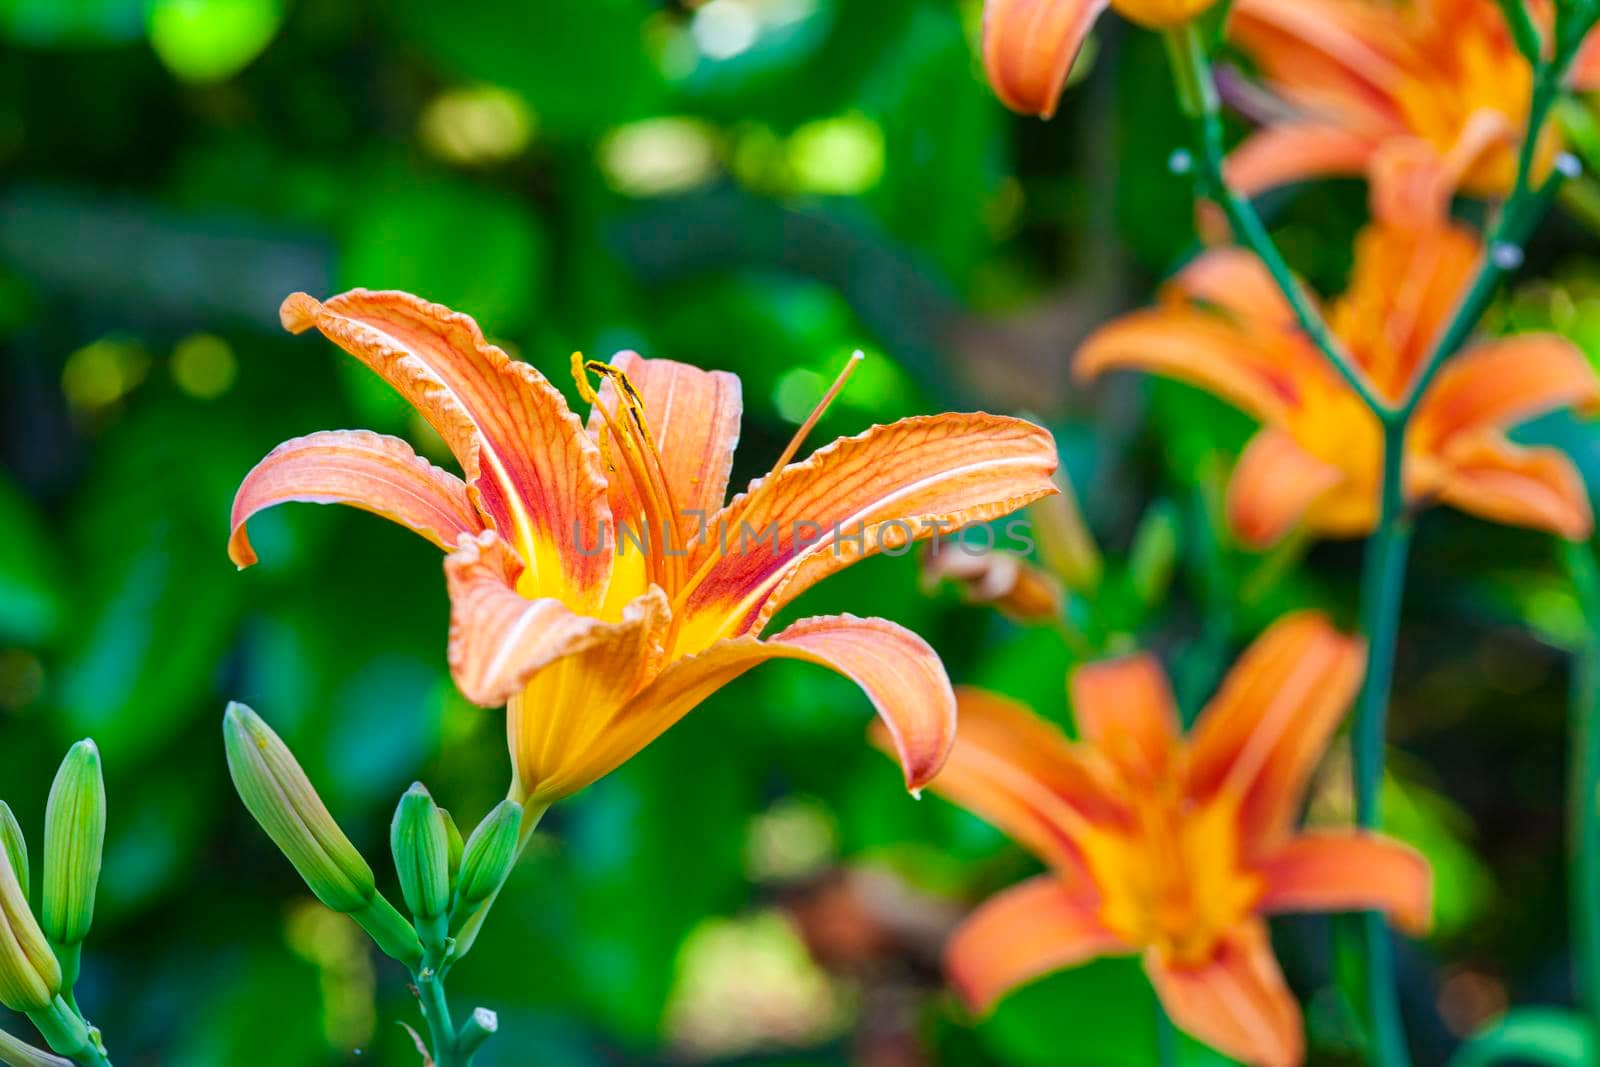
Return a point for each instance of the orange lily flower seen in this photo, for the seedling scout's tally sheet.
(1224, 326)
(1425, 98)
(599, 585)
(1029, 46)
(1174, 848)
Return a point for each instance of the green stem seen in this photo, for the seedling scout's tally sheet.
(436, 1013)
(1584, 825)
(1198, 95)
(65, 1031)
(1383, 574)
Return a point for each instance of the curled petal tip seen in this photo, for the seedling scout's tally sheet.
(298, 312)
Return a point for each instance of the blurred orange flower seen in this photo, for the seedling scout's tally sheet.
(1174, 848)
(599, 585)
(1425, 98)
(1225, 327)
(1029, 46)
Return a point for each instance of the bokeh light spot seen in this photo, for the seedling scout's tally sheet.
(840, 156)
(661, 156)
(209, 40)
(204, 366)
(476, 125)
(98, 375)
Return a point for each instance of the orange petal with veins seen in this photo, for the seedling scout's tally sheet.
(1348, 872)
(366, 470)
(1274, 483)
(1124, 708)
(499, 639)
(536, 473)
(1029, 47)
(1020, 773)
(1297, 151)
(1203, 349)
(895, 668)
(1490, 477)
(694, 420)
(1501, 383)
(1263, 733)
(878, 491)
(1237, 1003)
(1021, 934)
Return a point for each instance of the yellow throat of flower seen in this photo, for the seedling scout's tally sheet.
(1173, 880)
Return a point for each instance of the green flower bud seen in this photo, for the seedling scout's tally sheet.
(278, 794)
(452, 835)
(74, 839)
(421, 846)
(14, 844)
(17, 1053)
(489, 855)
(30, 976)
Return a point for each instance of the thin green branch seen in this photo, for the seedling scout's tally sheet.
(1198, 94)
(1584, 801)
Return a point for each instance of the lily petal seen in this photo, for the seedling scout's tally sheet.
(694, 419)
(880, 490)
(1341, 49)
(1349, 872)
(1021, 934)
(370, 471)
(1261, 736)
(499, 639)
(1292, 152)
(1237, 282)
(1499, 384)
(536, 473)
(1020, 773)
(1237, 1003)
(1029, 47)
(1125, 709)
(1202, 349)
(1585, 76)
(1494, 479)
(1274, 484)
(896, 669)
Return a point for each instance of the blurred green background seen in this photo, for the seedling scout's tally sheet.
(760, 186)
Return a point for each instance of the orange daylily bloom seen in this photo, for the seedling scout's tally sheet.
(1224, 326)
(1029, 46)
(1170, 847)
(1425, 98)
(600, 586)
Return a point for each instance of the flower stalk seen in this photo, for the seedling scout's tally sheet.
(1384, 565)
(1584, 814)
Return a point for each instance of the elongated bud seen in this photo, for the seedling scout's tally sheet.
(30, 976)
(14, 844)
(278, 794)
(1154, 553)
(1066, 546)
(489, 855)
(74, 840)
(421, 846)
(1005, 580)
(452, 834)
(17, 1053)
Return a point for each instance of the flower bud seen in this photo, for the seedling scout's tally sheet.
(21, 1054)
(453, 835)
(14, 844)
(1011, 584)
(74, 840)
(1154, 553)
(30, 976)
(490, 853)
(278, 794)
(421, 846)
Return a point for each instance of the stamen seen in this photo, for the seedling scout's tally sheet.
(812, 419)
(644, 464)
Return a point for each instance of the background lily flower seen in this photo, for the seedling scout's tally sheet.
(1425, 98)
(599, 643)
(1174, 848)
(1224, 327)
(1029, 46)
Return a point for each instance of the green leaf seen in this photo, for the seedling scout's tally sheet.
(31, 598)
